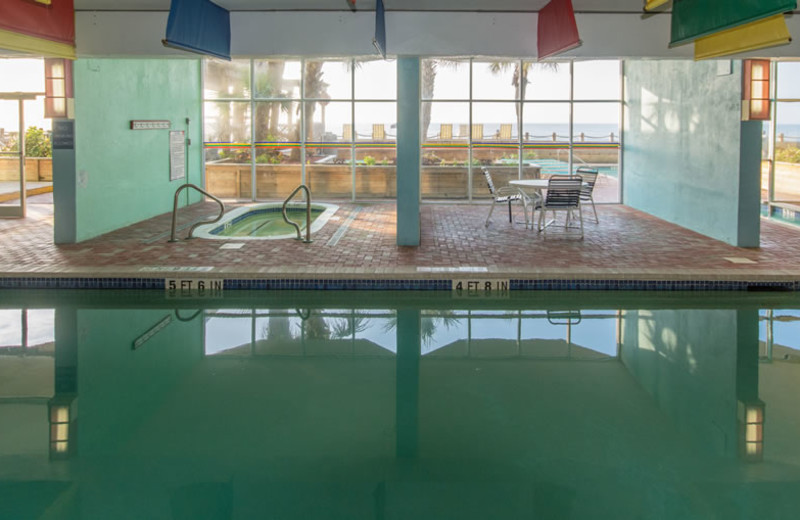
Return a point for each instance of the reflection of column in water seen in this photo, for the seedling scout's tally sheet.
(409, 345)
(61, 409)
(751, 410)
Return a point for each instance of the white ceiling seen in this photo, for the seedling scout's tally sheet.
(631, 6)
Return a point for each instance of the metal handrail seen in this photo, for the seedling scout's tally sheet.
(175, 211)
(308, 213)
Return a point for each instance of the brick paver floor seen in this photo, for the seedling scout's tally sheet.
(626, 243)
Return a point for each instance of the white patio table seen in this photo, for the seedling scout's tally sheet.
(529, 188)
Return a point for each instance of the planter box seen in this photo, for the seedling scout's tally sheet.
(334, 181)
(36, 169)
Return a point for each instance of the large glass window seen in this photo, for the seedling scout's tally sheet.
(518, 119)
(273, 124)
(780, 180)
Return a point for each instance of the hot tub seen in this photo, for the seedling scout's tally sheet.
(265, 222)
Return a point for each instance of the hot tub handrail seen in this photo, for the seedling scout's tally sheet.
(308, 213)
(175, 211)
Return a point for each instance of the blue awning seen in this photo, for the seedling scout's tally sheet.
(199, 26)
(380, 29)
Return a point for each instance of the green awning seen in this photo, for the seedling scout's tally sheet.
(692, 19)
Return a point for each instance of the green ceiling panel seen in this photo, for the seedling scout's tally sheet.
(692, 19)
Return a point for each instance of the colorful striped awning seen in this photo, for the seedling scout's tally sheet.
(649, 5)
(37, 28)
(692, 19)
(760, 34)
(199, 26)
(557, 30)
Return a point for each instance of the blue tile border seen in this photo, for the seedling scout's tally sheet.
(651, 285)
(332, 284)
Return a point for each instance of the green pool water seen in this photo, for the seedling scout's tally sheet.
(266, 224)
(405, 405)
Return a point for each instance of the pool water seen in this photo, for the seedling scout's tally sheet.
(266, 224)
(557, 167)
(351, 405)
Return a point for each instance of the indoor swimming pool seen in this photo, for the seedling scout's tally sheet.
(399, 405)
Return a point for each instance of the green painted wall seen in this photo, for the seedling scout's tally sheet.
(122, 175)
(687, 157)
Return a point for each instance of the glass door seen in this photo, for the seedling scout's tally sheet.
(780, 186)
(12, 162)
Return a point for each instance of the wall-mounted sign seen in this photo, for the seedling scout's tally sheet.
(177, 155)
(63, 134)
(150, 124)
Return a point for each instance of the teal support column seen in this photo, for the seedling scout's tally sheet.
(408, 145)
(749, 229)
(64, 182)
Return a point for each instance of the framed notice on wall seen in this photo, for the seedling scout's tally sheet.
(177, 155)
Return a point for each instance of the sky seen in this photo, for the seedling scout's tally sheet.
(22, 75)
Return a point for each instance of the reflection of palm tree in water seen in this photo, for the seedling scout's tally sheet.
(428, 324)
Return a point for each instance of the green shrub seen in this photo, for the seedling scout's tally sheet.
(369, 160)
(789, 154)
(37, 143)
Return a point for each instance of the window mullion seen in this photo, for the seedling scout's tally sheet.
(253, 170)
(302, 130)
(352, 129)
(519, 120)
(571, 110)
(469, 134)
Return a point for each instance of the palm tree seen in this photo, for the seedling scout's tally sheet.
(429, 70)
(519, 79)
(315, 87)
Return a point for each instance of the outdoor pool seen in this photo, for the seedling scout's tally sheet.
(398, 405)
(265, 222)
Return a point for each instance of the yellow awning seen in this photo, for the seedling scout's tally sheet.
(37, 46)
(649, 5)
(767, 32)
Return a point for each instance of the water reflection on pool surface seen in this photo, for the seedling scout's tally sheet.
(398, 406)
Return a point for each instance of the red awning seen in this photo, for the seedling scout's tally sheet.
(54, 22)
(557, 30)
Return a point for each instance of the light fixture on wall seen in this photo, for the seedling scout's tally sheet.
(751, 430)
(755, 90)
(58, 88)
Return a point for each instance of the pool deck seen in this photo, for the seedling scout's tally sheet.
(359, 243)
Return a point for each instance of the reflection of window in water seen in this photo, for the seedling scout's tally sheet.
(778, 333)
(29, 329)
(444, 333)
(300, 332)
